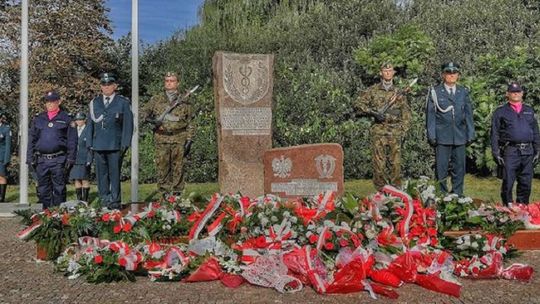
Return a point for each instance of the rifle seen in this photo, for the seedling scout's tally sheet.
(396, 95)
(159, 121)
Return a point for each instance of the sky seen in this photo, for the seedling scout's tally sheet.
(158, 19)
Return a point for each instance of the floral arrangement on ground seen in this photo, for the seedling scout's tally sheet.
(335, 245)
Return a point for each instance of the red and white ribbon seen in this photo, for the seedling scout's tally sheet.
(207, 214)
(407, 200)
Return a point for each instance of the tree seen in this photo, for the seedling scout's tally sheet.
(69, 44)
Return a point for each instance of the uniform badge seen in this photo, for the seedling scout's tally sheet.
(50, 125)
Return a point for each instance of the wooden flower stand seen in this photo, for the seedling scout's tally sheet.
(127, 208)
(173, 240)
(521, 240)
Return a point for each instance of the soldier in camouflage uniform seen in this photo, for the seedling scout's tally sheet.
(388, 129)
(172, 136)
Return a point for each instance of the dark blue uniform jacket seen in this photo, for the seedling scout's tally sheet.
(52, 136)
(509, 127)
(84, 154)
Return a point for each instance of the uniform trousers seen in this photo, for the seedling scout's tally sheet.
(170, 166)
(51, 179)
(518, 164)
(108, 166)
(450, 159)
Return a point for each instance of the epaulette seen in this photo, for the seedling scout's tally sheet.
(500, 106)
(124, 97)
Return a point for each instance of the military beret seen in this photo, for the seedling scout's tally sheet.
(171, 74)
(80, 116)
(51, 96)
(451, 67)
(387, 65)
(514, 87)
(107, 78)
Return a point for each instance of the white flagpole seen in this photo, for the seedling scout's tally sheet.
(23, 106)
(135, 103)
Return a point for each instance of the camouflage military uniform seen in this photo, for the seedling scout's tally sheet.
(386, 136)
(169, 140)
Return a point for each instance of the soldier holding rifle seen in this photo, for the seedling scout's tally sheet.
(170, 115)
(392, 115)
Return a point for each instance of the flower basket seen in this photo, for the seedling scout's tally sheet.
(41, 252)
(127, 207)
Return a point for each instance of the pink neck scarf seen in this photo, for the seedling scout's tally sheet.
(516, 106)
(52, 114)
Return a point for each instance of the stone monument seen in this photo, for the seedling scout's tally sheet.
(243, 100)
(305, 170)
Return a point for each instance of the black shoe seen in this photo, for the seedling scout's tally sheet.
(84, 194)
(3, 188)
(78, 193)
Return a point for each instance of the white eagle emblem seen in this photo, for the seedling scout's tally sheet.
(282, 167)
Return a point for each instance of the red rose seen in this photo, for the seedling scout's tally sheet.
(122, 262)
(127, 227)
(327, 235)
(328, 246)
(313, 238)
(117, 229)
(171, 199)
(260, 242)
(106, 217)
(98, 259)
(151, 214)
(343, 243)
(245, 201)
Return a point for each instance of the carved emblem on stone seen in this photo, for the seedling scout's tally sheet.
(326, 164)
(246, 78)
(282, 167)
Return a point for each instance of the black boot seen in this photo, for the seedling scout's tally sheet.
(85, 193)
(3, 193)
(78, 191)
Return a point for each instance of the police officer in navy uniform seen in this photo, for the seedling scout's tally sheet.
(80, 173)
(110, 128)
(51, 150)
(515, 144)
(5, 154)
(450, 127)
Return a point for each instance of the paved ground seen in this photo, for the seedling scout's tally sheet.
(23, 280)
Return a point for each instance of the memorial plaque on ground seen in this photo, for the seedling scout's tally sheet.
(243, 100)
(305, 170)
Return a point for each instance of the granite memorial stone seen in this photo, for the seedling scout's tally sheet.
(243, 100)
(305, 170)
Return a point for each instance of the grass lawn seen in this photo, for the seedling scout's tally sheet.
(482, 188)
